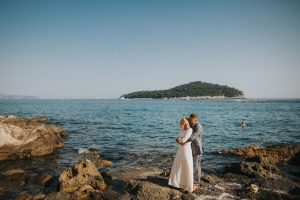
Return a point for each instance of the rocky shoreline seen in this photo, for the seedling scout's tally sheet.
(260, 176)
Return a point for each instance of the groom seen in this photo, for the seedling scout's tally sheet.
(196, 139)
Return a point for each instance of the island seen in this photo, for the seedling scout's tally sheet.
(193, 90)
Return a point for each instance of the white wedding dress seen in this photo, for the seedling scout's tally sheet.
(182, 170)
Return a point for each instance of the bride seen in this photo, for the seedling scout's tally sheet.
(182, 170)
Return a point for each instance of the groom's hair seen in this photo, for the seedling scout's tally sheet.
(194, 116)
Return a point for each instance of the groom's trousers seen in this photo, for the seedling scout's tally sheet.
(197, 168)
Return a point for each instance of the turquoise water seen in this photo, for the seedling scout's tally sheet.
(140, 134)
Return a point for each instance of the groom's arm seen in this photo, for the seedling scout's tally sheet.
(179, 142)
(197, 131)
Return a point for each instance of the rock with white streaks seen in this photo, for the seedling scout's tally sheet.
(22, 138)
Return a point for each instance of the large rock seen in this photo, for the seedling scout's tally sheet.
(276, 152)
(253, 170)
(11, 119)
(83, 177)
(21, 138)
(261, 171)
(256, 167)
(139, 189)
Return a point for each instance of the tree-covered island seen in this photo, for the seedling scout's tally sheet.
(193, 90)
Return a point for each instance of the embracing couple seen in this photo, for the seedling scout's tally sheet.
(186, 169)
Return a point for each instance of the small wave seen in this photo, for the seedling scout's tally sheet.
(83, 150)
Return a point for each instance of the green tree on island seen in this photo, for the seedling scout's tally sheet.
(193, 89)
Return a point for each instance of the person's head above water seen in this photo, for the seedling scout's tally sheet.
(243, 124)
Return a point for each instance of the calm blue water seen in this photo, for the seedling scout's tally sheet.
(140, 134)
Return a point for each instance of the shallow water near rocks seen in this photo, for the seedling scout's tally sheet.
(138, 136)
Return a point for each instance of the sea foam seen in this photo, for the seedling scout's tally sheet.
(82, 150)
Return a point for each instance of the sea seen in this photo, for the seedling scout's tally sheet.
(138, 136)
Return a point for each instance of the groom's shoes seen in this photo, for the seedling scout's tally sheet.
(196, 187)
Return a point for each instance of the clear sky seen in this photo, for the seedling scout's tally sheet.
(103, 49)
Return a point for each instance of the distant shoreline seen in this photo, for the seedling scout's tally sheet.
(200, 97)
(177, 98)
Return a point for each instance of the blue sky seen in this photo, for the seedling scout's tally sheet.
(103, 49)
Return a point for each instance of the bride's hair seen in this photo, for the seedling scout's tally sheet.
(183, 121)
